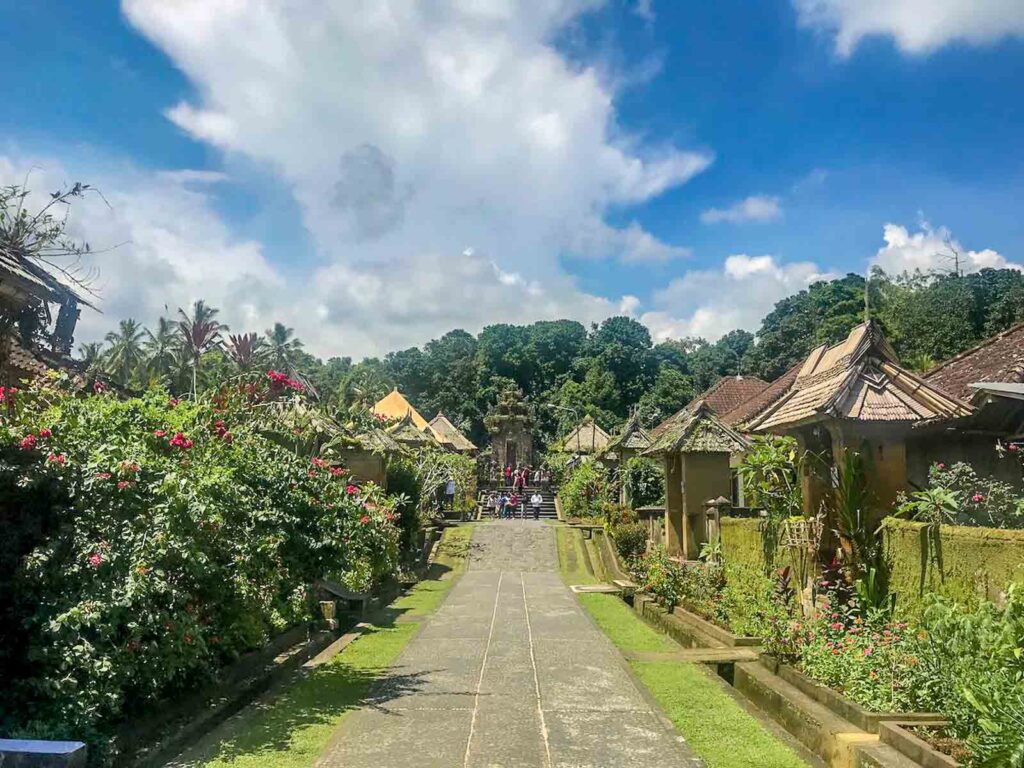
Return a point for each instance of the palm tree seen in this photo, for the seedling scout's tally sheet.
(125, 352)
(161, 347)
(282, 346)
(92, 356)
(200, 333)
(245, 350)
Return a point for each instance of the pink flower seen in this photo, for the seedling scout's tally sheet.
(180, 441)
(312, 473)
(940, 465)
(97, 386)
(1012, 447)
(836, 626)
(28, 442)
(316, 461)
(159, 433)
(173, 402)
(102, 475)
(978, 498)
(337, 471)
(54, 458)
(351, 490)
(364, 519)
(122, 484)
(227, 437)
(44, 432)
(95, 559)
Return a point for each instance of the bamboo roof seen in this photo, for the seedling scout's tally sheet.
(587, 437)
(859, 379)
(632, 436)
(697, 429)
(394, 406)
(449, 435)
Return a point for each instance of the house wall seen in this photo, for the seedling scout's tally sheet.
(366, 467)
(977, 450)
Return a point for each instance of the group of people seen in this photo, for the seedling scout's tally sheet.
(508, 506)
(517, 478)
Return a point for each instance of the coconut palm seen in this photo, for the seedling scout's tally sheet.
(125, 354)
(91, 355)
(282, 346)
(161, 347)
(246, 350)
(200, 333)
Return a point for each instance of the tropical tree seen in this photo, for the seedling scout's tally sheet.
(282, 346)
(125, 354)
(161, 348)
(201, 332)
(246, 350)
(91, 355)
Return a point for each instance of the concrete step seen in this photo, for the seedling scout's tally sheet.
(882, 756)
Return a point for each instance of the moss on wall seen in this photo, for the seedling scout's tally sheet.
(741, 541)
(977, 563)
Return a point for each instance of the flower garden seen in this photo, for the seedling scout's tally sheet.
(150, 541)
(919, 613)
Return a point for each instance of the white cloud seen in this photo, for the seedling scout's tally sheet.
(710, 303)
(917, 26)
(931, 249)
(757, 208)
(407, 131)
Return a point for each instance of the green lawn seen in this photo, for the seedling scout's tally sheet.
(571, 558)
(291, 729)
(716, 727)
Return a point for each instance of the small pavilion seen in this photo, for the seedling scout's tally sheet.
(626, 444)
(587, 438)
(449, 435)
(855, 395)
(695, 446)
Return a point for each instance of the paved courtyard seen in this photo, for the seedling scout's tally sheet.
(508, 672)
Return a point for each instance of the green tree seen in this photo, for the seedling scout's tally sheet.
(200, 332)
(161, 348)
(671, 392)
(282, 347)
(125, 353)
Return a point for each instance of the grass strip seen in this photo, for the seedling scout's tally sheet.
(571, 559)
(291, 728)
(716, 727)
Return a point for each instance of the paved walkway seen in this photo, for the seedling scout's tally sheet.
(509, 672)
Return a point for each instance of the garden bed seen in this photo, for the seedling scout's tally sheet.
(925, 744)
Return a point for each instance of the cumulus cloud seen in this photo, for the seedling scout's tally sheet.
(756, 208)
(916, 26)
(410, 132)
(710, 303)
(931, 249)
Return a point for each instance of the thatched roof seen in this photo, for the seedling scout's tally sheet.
(696, 429)
(997, 359)
(587, 437)
(632, 436)
(449, 435)
(394, 406)
(858, 379)
(378, 440)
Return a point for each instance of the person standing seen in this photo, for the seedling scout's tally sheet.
(508, 475)
(535, 501)
(513, 503)
(449, 494)
(502, 506)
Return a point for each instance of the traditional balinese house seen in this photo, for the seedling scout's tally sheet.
(586, 438)
(395, 407)
(32, 341)
(855, 395)
(367, 457)
(627, 443)
(407, 434)
(695, 448)
(450, 437)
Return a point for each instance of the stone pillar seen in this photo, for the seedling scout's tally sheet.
(674, 536)
(715, 509)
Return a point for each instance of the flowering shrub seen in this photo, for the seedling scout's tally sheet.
(660, 577)
(981, 501)
(586, 491)
(630, 540)
(153, 542)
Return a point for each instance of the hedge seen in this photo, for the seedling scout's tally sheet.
(978, 563)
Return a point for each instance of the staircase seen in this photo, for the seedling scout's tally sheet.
(547, 507)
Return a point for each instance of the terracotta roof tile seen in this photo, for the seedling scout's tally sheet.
(997, 359)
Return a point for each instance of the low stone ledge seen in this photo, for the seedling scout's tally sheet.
(897, 734)
(710, 629)
(687, 635)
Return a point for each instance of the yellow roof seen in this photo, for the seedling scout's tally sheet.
(395, 406)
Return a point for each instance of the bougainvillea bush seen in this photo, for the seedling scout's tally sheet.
(153, 541)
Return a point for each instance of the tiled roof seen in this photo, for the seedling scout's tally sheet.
(449, 434)
(997, 359)
(696, 429)
(726, 394)
(745, 411)
(860, 379)
(587, 437)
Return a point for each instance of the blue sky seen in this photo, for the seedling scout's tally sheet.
(375, 173)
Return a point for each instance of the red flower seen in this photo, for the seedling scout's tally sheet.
(7, 394)
(102, 475)
(337, 471)
(159, 433)
(227, 437)
(97, 386)
(835, 626)
(122, 484)
(180, 441)
(1012, 447)
(364, 519)
(316, 461)
(54, 458)
(351, 489)
(978, 498)
(173, 402)
(28, 442)
(44, 432)
(95, 559)
(940, 465)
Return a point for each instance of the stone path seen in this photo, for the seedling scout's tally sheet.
(508, 672)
